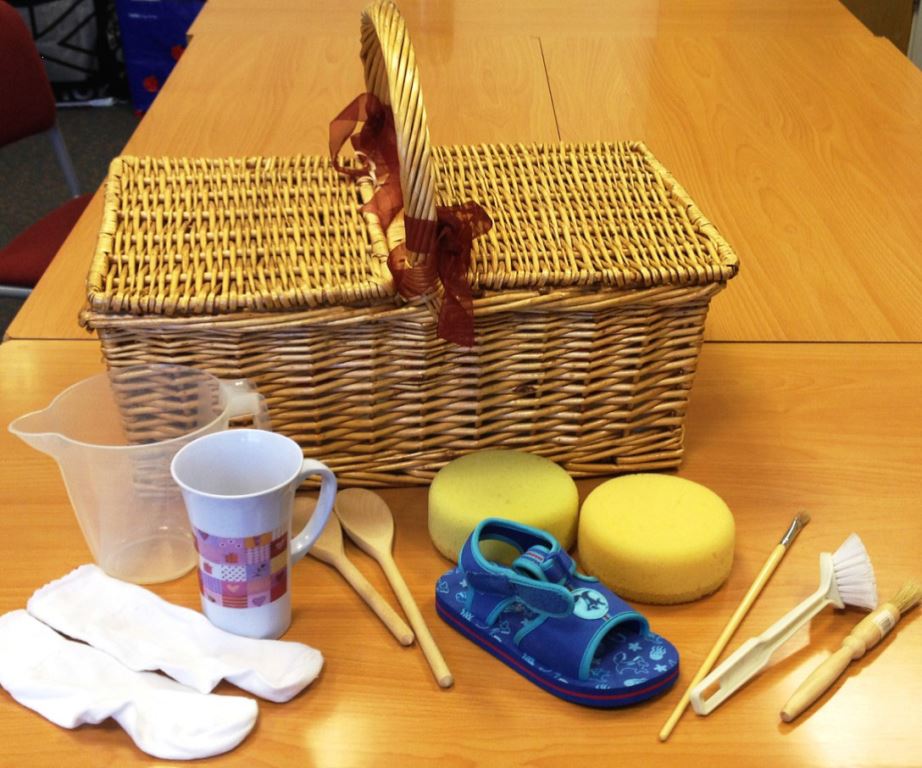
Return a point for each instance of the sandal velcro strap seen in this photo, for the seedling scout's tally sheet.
(528, 584)
(555, 566)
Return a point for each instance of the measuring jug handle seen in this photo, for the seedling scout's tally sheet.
(244, 400)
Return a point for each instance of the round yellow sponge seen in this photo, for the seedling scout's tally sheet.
(514, 485)
(656, 538)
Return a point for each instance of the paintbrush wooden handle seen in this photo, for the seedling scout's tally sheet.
(817, 683)
(866, 634)
(774, 559)
(423, 636)
(764, 575)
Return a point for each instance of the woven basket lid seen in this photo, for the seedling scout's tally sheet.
(209, 236)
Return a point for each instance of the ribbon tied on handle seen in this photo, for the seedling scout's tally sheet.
(444, 245)
(376, 144)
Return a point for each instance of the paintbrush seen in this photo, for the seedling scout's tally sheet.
(846, 578)
(866, 634)
(754, 591)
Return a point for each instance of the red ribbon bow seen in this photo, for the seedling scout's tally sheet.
(376, 142)
(449, 239)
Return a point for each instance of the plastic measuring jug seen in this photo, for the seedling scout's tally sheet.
(114, 436)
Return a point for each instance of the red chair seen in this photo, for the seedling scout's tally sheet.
(27, 108)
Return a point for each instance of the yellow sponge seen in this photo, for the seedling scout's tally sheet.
(498, 483)
(656, 538)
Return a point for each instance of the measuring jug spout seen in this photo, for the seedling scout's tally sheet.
(36, 429)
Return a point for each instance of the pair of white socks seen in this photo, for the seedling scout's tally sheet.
(71, 684)
(133, 632)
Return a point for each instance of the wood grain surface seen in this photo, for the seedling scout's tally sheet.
(805, 154)
(773, 428)
(613, 18)
(797, 133)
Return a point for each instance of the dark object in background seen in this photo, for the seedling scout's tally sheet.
(27, 104)
(153, 38)
(886, 18)
(79, 44)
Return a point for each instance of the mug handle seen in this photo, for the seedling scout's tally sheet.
(244, 400)
(312, 528)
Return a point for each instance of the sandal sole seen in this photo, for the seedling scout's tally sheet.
(597, 699)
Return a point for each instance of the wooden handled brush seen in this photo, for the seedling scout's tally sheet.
(736, 619)
(846, 578)
(866, 634)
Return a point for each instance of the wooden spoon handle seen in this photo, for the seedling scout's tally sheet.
(423, 636)
(378, 604)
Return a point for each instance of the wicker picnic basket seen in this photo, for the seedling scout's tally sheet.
(590, 293)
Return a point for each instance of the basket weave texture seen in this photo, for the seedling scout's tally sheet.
(590, 295)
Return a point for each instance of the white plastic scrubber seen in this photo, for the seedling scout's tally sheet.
(846, 578)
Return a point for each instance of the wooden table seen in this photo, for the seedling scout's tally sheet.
(794, 129)
(613, 18)
(773, 428)
(811, 170)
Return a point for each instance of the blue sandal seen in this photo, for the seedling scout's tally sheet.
(565, 632)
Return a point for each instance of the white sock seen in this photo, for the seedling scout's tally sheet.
(145, 633)
(70, 684)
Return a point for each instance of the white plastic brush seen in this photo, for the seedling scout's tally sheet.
(846, 578)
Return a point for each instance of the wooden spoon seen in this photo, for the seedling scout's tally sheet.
(368, 521)
(328, 548)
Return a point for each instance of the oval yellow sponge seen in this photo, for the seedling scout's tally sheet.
(656, 538)
(514, 485)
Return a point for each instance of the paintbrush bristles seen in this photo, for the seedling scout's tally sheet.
(794, 528)
(908, 596)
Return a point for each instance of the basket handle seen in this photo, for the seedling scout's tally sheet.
(392, 76)
(433, 260)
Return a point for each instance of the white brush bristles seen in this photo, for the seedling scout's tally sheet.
(854, 574)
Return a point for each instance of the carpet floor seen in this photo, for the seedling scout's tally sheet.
(31, 183)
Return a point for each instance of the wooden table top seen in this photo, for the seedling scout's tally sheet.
(773, 429)
(613, 18)
(802, 147)
(811, 170)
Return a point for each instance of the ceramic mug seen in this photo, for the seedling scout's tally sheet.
(239, 487)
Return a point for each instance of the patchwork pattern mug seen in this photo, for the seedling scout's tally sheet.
(239, 487)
